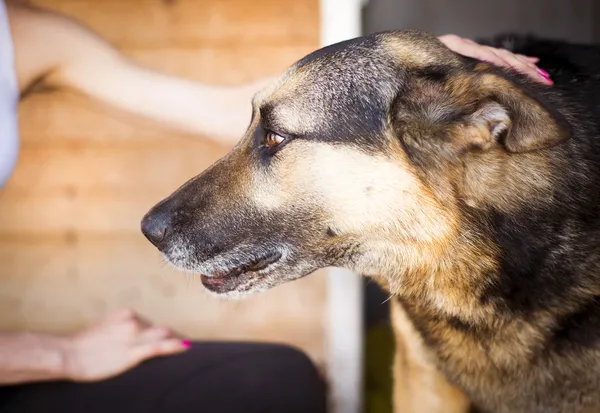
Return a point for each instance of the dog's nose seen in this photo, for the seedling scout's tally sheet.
(154, 227)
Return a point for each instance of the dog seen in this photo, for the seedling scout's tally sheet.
(470, 192)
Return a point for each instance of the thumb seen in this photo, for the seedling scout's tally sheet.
(160, 348)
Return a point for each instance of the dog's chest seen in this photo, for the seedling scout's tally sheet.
(490, 370)
(432, 342)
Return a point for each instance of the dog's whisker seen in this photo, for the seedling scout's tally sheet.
(387, 299)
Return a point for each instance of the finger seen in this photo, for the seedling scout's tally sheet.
(483, 53)
(544, 75)
(160, 348)
(536, 73)
(514, 62)
(465, 47)
(142, 322)
(523, 66)
(154, 334)
(450, 40)
(118, 315)
(490, 55)
(529, 58)
(526, 62)
(127, 321)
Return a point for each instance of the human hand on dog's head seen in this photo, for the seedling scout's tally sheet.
(499, 57)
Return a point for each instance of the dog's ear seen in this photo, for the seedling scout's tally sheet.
(505, 114)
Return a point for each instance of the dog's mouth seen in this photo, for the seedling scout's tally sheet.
(237, 278)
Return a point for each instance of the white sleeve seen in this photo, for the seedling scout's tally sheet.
(9, 98)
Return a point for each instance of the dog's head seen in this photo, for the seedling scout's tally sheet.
(364, 155)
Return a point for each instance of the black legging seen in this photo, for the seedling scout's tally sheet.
(208, 378)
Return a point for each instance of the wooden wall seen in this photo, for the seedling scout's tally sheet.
(70, 244)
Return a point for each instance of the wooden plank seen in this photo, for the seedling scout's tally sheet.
(61, 283)
(193, 22)
(40, 213)
(63, 119)
(230, 65)
(100, 189)
(70, 244)
(71, 172)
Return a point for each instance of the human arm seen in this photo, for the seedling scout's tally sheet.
(110, 347)
(60, 52)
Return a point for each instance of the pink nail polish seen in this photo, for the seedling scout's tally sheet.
(186, 343)
(543, 73)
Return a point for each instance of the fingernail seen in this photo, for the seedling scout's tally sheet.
(543, 73)
(186, 343)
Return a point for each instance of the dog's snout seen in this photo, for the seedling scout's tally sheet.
(155, 226)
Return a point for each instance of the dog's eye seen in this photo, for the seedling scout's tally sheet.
(272, 139)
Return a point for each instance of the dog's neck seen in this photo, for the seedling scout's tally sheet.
(451, 280)
(501, 273)
(454, 281)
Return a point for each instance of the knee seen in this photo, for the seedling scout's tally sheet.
(294, 380)
(282, 358)
(251, 377)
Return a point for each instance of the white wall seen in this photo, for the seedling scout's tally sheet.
(341, 20)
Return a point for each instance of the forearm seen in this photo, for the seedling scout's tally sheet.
(31, 357)
(179, 103)
(61, 52)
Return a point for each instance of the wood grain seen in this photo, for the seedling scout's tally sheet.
(73, 279)
(152, 23)
(70, 245)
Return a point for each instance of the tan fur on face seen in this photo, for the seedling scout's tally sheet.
(363, 194)
(291, 110)
(406, 233)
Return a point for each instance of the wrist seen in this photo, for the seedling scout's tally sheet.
(58, 350)
(47, 357)
(66, 348)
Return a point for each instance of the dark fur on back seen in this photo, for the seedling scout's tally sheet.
(556, 251)
(551, 246)
(549, 279)
(575, 68)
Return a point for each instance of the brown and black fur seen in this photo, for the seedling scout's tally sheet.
(470, 192)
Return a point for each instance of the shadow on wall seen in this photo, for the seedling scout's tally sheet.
(573, 20)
